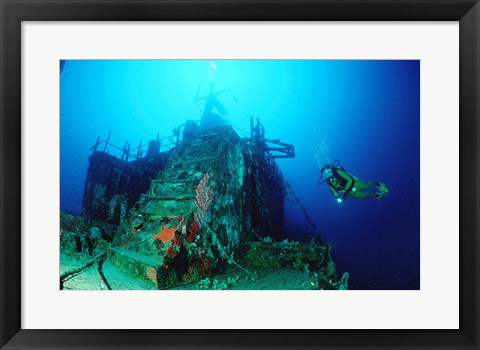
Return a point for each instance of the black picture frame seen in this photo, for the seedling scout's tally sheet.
(13, 12)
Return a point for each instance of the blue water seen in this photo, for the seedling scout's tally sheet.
(366, 114)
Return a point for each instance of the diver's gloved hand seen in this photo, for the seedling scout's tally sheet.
(340, 194)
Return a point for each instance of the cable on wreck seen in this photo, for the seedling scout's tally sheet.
(302, 207)
(102, 275)
(67, 275)
(216, 241)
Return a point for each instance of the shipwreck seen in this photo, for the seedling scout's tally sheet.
(189, 208)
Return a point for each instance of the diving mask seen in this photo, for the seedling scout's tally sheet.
(327, 172)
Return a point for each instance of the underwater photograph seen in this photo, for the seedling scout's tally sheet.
(239, 174)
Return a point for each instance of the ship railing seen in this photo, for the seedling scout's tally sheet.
(127, 154)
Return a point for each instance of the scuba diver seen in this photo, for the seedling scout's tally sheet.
(342, 184)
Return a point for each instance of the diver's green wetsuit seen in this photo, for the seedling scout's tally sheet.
(343, 184)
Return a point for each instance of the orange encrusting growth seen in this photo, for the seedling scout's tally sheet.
(166, 233)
